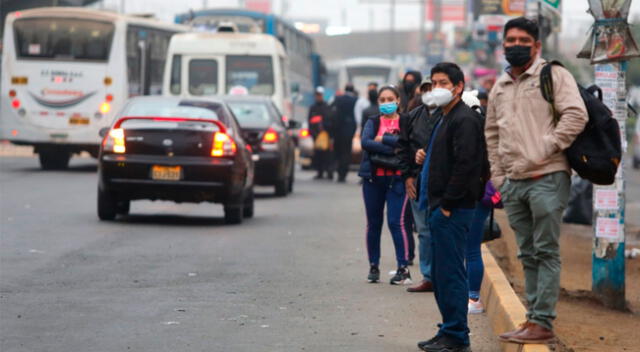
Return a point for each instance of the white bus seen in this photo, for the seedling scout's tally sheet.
(205, 64)
(362, 71)
(67, 71)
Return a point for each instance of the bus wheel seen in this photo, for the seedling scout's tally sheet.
(54, 159)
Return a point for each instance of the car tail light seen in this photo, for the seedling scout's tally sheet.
(304, 133)
(270, 137)
(15, 103)
(12, 93)
(223, 145)
(114, 142)
(109, 98)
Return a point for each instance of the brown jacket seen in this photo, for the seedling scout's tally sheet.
(522, 141)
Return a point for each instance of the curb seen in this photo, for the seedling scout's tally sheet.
(503, 306)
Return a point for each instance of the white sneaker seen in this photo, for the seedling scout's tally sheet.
(475, 307)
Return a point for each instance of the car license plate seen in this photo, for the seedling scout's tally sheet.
(166, 173)
(77, 120)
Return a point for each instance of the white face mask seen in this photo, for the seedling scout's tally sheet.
(427, 99)
(441, 96)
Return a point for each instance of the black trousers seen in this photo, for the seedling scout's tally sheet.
(322, 162)
(342, 148)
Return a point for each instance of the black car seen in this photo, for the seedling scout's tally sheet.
(267, 132)
(183, 150)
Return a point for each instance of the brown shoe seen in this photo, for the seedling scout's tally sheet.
(425, 286)
(534, 333)
(507, 335)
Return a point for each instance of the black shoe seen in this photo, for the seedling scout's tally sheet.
(430, 341)
(318, 177)
(443, 344)
(330, 177)
(402, 277)
(342, 180)
(374, 274)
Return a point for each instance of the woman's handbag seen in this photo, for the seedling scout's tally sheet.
(492, 230)
(322, 141)
(385, 161)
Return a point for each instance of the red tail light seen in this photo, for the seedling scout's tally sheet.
(270, 137)
(15, 103)
(304, 133)
(114, 141)
(223, 145)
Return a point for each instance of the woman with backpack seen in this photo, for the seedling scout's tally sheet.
(382, 185)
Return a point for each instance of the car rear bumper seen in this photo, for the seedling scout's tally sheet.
(202, 179)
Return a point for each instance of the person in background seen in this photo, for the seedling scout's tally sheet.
(452, 179)
(373, 108)
(344, 130)
(491, 199)
(529, 167)
(320, 127)
(483, 97)
(382, 184)
(415, 131)
(363, 103)
(408, 89)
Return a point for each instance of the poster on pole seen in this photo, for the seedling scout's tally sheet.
(606, 199)
(609, 228)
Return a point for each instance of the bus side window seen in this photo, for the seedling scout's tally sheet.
(176, 75)
(133, 62)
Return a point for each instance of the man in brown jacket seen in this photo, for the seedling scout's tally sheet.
(528, 165)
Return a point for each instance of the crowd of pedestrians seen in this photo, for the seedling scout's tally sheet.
(445, 157)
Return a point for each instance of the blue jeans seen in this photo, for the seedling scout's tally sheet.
(448, 274)
(424, 239)
(377, 192)
(475, 266)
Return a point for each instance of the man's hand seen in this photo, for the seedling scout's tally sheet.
(410, 186)
(420, 156)
(446, 213)
(378, 139)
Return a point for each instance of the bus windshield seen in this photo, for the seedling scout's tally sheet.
(63, 39)
(364, 74)
(255, 73)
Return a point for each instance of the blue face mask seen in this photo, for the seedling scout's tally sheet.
(388, 108)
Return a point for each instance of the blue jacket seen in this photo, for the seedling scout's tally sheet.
(369, 145)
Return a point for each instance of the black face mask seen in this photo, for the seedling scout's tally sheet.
(518, 55)
(409, 87)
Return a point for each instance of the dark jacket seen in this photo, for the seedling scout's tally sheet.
(407, 92)
(345, 121)
(369, 145)
(372, 110)
(415, 132)
(458, 169)
(325, 122)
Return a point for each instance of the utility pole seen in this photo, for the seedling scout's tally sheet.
(421, 21)
(121, 6)
(204, 4)
(392, 29)
(608, 265)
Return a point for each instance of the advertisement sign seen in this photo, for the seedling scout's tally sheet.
(263, 6)
(499, 7)
(450, 11)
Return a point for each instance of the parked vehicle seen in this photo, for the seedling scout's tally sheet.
(176, 149)
(267, 132)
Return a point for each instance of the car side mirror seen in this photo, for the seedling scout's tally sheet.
(103, 131)
(293, 124)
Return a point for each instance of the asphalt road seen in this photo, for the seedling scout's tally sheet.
(175, 278)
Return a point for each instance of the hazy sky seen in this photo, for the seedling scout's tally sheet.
(356, 13)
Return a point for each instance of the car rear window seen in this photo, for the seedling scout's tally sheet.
(252, 114)
(172, 108)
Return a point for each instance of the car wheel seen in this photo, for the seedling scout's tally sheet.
(233, 215)
(52, 159)
(123, 207)
(247, 211)
(282, 186)
(107, 206)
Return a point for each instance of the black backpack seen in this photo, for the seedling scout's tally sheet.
(596, 153)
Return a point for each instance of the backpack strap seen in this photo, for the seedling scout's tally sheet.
(546, 87)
